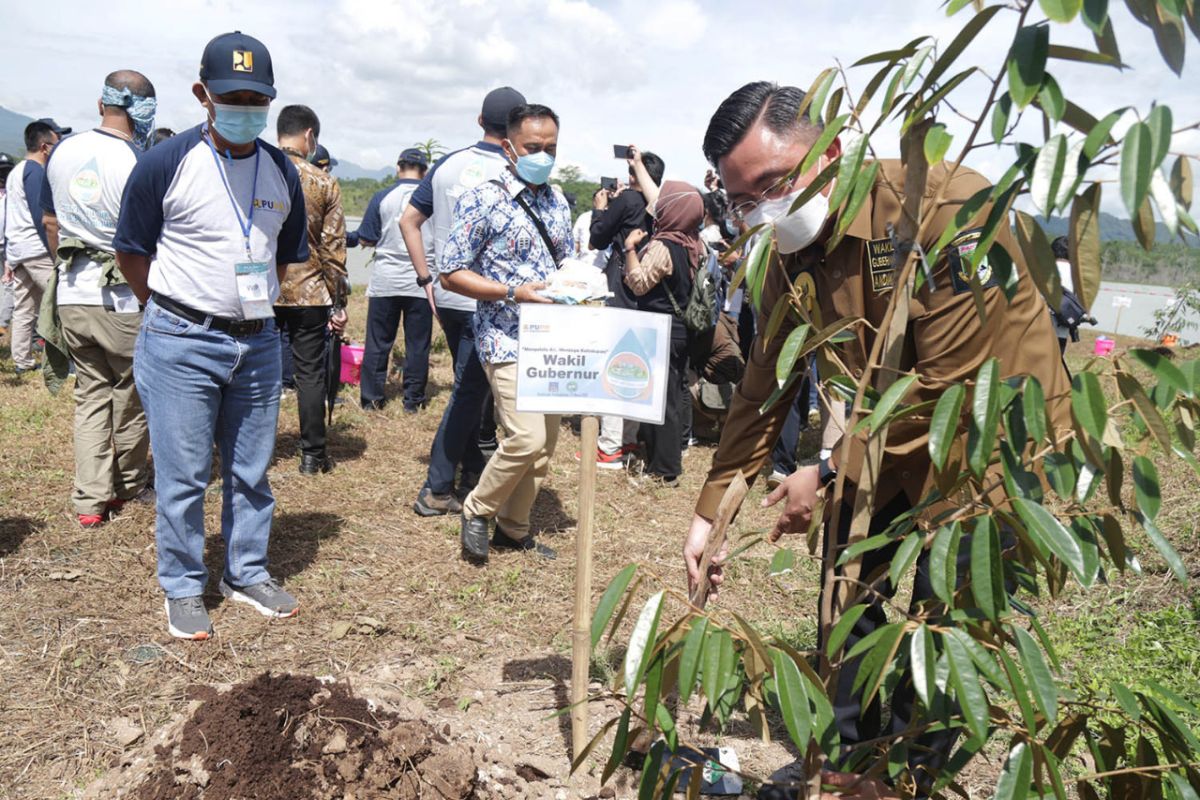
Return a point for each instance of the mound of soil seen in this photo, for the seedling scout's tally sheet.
(296, 737)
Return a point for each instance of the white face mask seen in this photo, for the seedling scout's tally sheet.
(797, 230)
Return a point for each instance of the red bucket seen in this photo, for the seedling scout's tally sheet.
(1104, 346)
(352, 356)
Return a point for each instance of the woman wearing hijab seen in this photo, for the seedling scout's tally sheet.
(659, 272)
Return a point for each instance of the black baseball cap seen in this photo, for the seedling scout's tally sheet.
(414, 155)
(234, 62)
(322, 159)
(498, 103)
(54, 126)
(7, 161)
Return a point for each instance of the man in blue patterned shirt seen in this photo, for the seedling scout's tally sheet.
(507, 239)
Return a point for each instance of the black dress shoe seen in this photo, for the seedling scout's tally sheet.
(502, 541)
(311, 465)
(475, 539)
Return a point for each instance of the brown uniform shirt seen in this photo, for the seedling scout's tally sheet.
(946, 340)
(312, 283)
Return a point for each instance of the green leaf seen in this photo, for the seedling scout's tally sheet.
(783, 561)
(964, 37)
(845, 624)
(1061, 10)
(1088, 404)
(618, 750)
(848, 166)
(1145, 486)
(689, 660)
(1169, 36)
(1045, 690)
(943, 428)
(923, 660)
(608, 601)
(1181, 181)
(1027, 63)
(790, 353)
(793, 700)
(1143, 223)
(985, 412)
(1048, 172)
(891, 55)
(968, 689)
(1137, 154)
(863, 184)
(1164, 547)
(641, 643)
(1159, 122)
(831, 132)
(913, 68)
(1013, 783)
(1034, 405)
(757, 264)
(1049, 533)
(943, 562)
(1019, 691)
(937, 142)
(1095, 14)
(1085, 244)
(1000, 116)
(1127, 701)
(921, 111)
(892, 396)
(1050, 98)
(1065, 53)
(987, 569)
(1183, 789)
(1039, 258)
(1163, 370)
(1098, 136)
(1132, 390)
(711, 678)
(906, 554)
(814, 98)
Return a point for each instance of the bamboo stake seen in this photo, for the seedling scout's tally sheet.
(581, 631)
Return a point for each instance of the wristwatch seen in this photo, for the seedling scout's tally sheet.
(510, 296)
(826, 473)
(423, 282)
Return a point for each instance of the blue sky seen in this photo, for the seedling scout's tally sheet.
(383, 74)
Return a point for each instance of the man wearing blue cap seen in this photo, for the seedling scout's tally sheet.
(209, 222)
(393, 294)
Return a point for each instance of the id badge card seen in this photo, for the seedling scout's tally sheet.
(254, 290)
(120, 299)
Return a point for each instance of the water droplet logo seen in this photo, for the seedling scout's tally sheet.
(627, 372)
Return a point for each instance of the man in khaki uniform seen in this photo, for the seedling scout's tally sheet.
(310, 291)
(754, 140)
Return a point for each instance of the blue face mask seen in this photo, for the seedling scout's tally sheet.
(140, 110)
(534, 168)
(239, 124)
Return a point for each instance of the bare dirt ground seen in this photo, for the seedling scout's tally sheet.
(474, 663)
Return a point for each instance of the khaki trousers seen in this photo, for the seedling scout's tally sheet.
(510, 481)
(29, 283)
(111, 438)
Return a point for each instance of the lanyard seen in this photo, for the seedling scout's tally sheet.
(237, 211)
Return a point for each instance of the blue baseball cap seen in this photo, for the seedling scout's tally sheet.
(414, 155)
(235, 62)
(322, 159)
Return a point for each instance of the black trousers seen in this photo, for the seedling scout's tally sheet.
(664, 443)
(307, 329)
(384, 315)
(855, 723)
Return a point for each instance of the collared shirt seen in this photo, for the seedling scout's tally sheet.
(452, 176)
(392, 273)
(23, 229)
(85, 178)
(493, 236)
(946, 342)
(177, 210)
(313, 282)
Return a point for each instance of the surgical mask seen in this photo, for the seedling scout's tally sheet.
(312, 154)
(239, 124)
(139, 109)
(534, 168)
(794, 231)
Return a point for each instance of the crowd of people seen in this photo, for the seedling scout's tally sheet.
(180, 276)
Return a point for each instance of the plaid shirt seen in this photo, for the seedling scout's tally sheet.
(310, 283)
(493, 236)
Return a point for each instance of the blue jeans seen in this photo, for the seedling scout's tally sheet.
(383, 320)
(457, 439)
(783, 455)
(199, 385)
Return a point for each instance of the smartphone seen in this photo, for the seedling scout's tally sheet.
(608, 183)
(621, 151)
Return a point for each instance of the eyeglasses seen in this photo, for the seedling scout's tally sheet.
(777, 190)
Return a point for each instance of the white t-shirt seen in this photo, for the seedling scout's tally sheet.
(20, 230)
(392, 273)
(85, 178)
(581, 233)
(178, 210)
(438, 193)
(1068, 285)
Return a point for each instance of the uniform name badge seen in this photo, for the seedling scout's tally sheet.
(254, 290)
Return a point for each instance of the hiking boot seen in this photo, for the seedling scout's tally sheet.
(188, 619)
(429, 504)
(90, 520)
(267, 598)
(502, 541)
(311, 465)
(474, 538)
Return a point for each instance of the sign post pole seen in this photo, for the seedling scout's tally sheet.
(581, 632)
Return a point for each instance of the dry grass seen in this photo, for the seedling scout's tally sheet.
(81, 607)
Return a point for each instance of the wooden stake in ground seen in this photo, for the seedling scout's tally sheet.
(581, 630)
(731, 501)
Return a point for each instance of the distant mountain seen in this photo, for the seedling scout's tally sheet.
(1113, 228)
(12, 132)
(349, 171)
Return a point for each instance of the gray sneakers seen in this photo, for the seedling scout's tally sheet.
(187, 618)
(268, 598)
